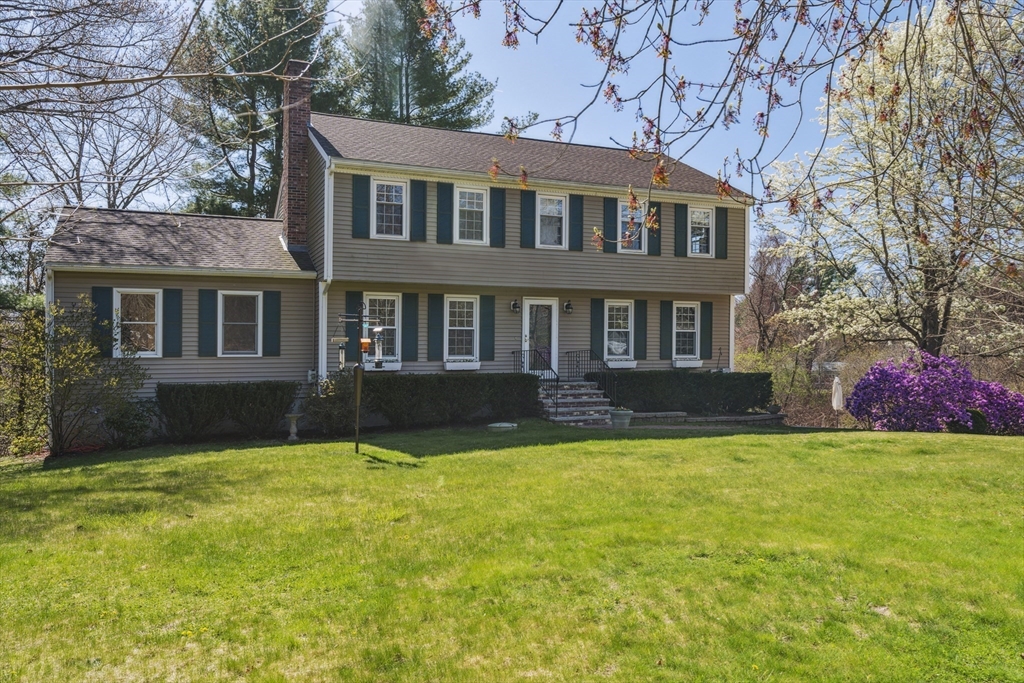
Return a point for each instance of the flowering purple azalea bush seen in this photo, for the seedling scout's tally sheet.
(928, 393)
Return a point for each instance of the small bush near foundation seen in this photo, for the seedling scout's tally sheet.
(259, 407)
(128, 424)
(702, 393)
(332, 409)
(190, 412)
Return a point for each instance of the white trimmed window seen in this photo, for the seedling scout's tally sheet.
(461, 338)
(686, 330)
(138, 329)
(391, 209)
(618, 330)
(702, 221)
(631, 241)
(472, 207)
(551, 220)
(240, 324)
(383, 311)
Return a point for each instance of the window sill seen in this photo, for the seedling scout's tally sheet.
(239, 355)
(621, 364)
(388, 366)
(462, 365)
(393, 238)
(687, 363)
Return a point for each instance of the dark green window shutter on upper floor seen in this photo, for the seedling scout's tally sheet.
(207, 322)
(103, 319)
(640, 329)
(706, 318)
(682, 216)
(172, 323)
(361, 206)
(497, 217)
(486, 327)
(352, 331)
(435, 326)
(721, 232)
(527, 219)
(611, 224)
(445, 212)
(575, 222)
(410, 327)
(418, 214)
(271, 323)
(666, 322)
(654, 236)
(597, 327)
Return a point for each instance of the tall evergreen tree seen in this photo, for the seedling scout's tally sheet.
(401, 75)
(240, 118)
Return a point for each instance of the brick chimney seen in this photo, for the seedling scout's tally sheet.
(295, 167)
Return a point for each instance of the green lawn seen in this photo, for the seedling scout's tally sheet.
(548, 554)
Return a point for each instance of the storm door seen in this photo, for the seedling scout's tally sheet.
(540, 334)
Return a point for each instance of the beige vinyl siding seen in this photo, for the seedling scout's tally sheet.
(315, 208)
(298, 331)
(573, 333)
(370, 260)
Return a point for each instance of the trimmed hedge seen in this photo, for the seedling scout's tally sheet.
(442, 400)
(190, 412)
(702, 393)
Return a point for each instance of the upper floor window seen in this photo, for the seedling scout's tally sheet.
(551, 222)
(701, 222)
(138, 322)
(382, 311)
(461, 327)
(685, 331)
(632, 239)
(240, 328)
(618, 330)
(472, 203)
(391, 209)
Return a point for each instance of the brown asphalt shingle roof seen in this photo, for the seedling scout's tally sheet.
(151, 239)
(393, 143)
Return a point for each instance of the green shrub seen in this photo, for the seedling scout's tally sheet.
(128, 424)
(979, 424)
(190, 412)
(259, 407)
(704, 393)
(450, 399)
(332, 408)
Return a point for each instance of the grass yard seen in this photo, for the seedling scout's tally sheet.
(549, 554)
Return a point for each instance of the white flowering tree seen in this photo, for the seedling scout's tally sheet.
(917, 206)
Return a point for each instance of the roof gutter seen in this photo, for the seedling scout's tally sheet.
(175, 270)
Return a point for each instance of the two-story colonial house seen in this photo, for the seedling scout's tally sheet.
(462, 271)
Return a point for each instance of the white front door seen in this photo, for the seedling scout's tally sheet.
(540, 334)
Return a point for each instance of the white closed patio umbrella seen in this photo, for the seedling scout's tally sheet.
(837, 397)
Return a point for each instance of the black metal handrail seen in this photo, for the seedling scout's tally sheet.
(537, 363)
(581, 365)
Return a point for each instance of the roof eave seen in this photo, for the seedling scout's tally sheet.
(68, 266)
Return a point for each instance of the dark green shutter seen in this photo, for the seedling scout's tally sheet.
(172, 323)
(527, 219)
(352, 331)
(361, 206)
(706, 317)
(271, 323)
(682, 216)
(667, 315)
(435, 327)
(445, 212)
(103, 321)
(640, 329)
(611, 224)
(207, 322)
(486, 327)
(418, 217)
(654, 236)
(497, 217)
(597, 327)
(410, 327)
(575, 222)
(721, 232)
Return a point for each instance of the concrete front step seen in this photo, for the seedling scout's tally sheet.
(576, 400)
(575, 420)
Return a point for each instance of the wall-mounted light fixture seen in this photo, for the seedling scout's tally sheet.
(515, 306)
(567, 307)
